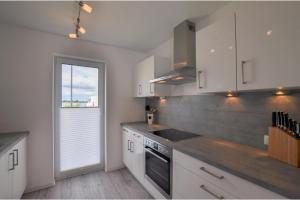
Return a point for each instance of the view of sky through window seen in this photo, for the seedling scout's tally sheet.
(79, 86)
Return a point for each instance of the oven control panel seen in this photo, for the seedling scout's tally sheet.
(157, 146)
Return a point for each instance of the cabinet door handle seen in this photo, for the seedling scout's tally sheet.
(243, 71)
(128, 145)
(140, 89)
(151, 88)
(17, 157)
(199, 82)
(13, 160)
(131, 149)
(211, 173)
(203, 187)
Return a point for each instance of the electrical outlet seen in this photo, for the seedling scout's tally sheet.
(266, 139)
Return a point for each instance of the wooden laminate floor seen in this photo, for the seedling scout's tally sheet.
(118, 184)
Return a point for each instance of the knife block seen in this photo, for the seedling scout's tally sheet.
(284, 147)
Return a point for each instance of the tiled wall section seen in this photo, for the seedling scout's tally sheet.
(243, 119)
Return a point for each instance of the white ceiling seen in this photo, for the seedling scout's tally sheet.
(134, 25)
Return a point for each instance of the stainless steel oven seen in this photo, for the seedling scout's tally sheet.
(158, 166)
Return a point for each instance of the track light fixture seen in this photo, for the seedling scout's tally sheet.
(78, 28)
(87, 8)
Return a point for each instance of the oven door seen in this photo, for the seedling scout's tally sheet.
(158, 170)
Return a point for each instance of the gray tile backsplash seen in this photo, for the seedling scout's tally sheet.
(243, 119)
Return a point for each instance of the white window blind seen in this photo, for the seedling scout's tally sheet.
(79, 137)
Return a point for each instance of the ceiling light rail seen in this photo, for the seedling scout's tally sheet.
(78, 28)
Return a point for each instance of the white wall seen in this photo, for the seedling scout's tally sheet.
(26, 90)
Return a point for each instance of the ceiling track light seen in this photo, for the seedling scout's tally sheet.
(78, 27)
(87, 8)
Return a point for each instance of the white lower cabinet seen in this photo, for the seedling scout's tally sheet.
(126, 148)
(13, 172)
(189, 186)
(134, 159)
(6, 176)
(133, 153)
(194, 178)
(138, 168)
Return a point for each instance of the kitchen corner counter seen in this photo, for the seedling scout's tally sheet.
(243, 161)
(143, 126)
(8, 140)
(146, 130)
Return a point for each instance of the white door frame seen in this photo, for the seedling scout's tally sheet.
(55, 103)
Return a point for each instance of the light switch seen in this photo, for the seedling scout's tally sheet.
(266, 139)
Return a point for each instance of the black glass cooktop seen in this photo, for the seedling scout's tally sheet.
(174, 135)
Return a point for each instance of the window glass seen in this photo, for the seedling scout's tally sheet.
(66, 85)
(79, 86)
(84, 86)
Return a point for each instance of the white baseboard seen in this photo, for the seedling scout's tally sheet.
(114, 168)
(28, 190)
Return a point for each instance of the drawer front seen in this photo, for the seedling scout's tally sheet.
(187, 185)
(138, 137)
(126, 131)
(228, 182)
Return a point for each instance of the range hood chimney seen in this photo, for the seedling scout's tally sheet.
(184, 69)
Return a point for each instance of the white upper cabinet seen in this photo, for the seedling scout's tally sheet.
(137, 81)
(268, 45)
(147, 70)
(216, 56)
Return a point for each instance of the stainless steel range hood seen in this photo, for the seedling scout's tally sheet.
(184, 69)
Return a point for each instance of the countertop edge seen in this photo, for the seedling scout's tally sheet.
(22, 134)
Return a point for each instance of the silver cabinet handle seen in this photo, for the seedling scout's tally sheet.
(17, 157)
(210, 192)
(13, 160)
(243, 71)
(199, 82)
(128, 145)
(131, 149)
(125, 130)
(157, 156)
(210, 173)
(140, 89)
(151, 88)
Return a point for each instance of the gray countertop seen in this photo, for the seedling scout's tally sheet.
(8, 140)
(243, 161)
